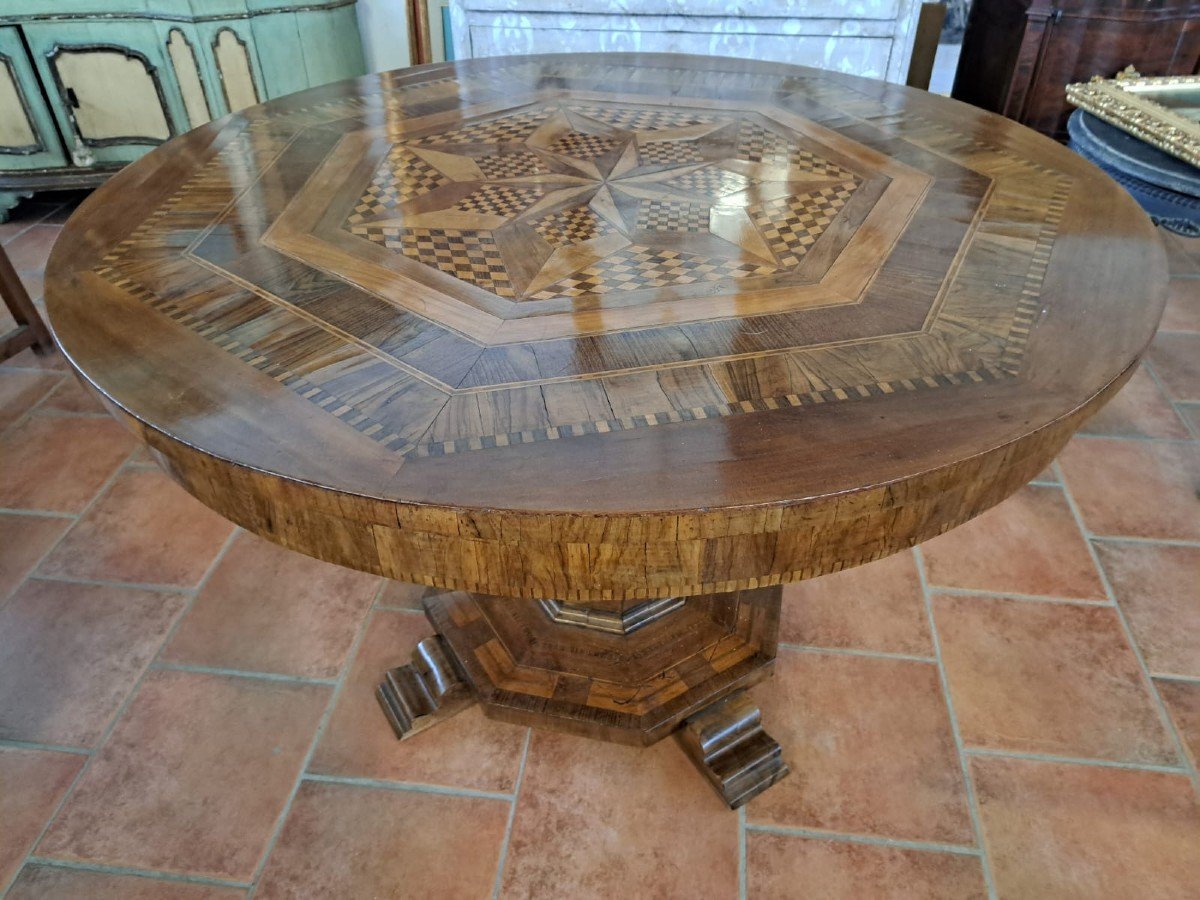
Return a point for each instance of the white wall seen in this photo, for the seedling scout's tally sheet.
(383, 25)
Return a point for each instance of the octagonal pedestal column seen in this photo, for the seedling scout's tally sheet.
(633, 678)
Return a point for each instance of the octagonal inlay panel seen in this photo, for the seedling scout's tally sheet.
(571, 200)
(565, 218)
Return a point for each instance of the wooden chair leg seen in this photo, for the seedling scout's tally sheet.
(31, 331)
(925, 44)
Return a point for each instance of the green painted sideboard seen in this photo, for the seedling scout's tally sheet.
(87, 86)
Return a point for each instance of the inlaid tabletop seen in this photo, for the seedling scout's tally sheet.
(615, 306)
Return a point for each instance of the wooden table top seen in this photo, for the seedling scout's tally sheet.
(605, 302)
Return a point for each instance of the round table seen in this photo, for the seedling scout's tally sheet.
(604, 349)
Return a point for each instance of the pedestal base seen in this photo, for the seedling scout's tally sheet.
(727, 741)
(633, 680)
(424, 692)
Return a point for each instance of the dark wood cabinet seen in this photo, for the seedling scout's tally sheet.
(1018, 55)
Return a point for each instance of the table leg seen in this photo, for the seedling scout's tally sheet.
(425, 691)
(30, 329)
(727, 742)
(633, 673)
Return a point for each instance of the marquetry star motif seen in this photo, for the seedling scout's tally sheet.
(568, 200)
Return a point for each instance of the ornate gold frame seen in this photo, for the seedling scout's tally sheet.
(1127, 102)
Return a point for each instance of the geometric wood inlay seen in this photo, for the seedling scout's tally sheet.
(633, 688)
(640, 175)
(606, 328)
(555, 209)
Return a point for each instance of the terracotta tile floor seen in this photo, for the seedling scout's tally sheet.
(1012, 710)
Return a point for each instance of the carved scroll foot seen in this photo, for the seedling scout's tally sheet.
(727, 742)
(426, 691)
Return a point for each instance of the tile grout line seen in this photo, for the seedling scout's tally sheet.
(1117, 538)
(13, 744)
(37, 407)
(5, 888)
(135, 871)
(334, 695)
(40, 409)
(1193, 430)
(133, 691)
(849, 651)
(991, 752)
(105, 487)
(1057, 470)
(64, 413)
(406, 787)
(37, 513)
(1017, 598)
(743, 875)
(968, 781)
(845, 837)
(100, 491)
(160, 666)
(28, 413)
(1176, 406)
(1136, 438)
(192, 594)
(35, 222)
(502, 860)
(103, 582)
(8, 367)
(1159, 706)
(1154, 376)
(1170, 676)
(33, 411)
(42, 221)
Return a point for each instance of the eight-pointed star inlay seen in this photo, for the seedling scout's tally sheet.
(569, 200)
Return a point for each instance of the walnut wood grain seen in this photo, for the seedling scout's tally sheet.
(632, 688)
(425, 691)
(728, 744)
(606, 329)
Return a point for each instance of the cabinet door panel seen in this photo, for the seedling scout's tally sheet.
(114, 94)
(186, 66)
(28, 139)
(110, 79)
(236, 63)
